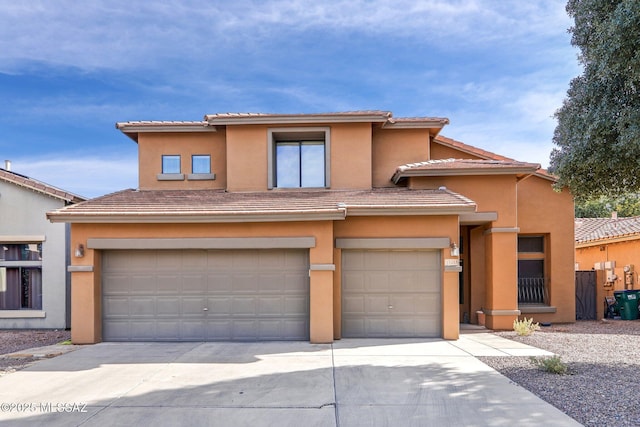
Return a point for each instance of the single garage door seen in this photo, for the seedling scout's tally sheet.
(388, 293)
(205, 295)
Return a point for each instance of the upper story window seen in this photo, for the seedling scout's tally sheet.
(201, 163)
(20, 276)
(299, 158)
(170, 164)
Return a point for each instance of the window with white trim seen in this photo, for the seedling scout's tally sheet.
(21, 276)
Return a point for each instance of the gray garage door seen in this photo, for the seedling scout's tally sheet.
(390, 293)
(205, 295)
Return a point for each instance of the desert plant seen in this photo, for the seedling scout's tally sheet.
(525, 326)
(553, 364)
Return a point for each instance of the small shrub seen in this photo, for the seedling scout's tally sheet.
(553, 364)
(65, 342)
(525, 326)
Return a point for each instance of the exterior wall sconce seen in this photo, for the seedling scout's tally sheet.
(454, 250)
(79, 251)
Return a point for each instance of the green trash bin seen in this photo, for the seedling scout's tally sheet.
(627, 302)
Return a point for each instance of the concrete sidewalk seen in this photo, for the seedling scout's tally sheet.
(352, 382)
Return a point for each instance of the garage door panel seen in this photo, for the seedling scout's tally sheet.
(142, 306)
(355, 281)
(144, 284)
(167, 307)
(391, 293)
(190, 284)
(191, 306)
(270, 306)
(353, 305)
(377, 304)
(219, 283)
(245, 283)
(167, 330)
(116, 307)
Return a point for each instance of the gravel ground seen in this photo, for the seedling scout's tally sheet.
(12, 341)
(602, 387)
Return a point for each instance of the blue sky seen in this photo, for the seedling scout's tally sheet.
(69, 70)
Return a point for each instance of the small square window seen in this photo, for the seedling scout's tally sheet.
(200, 163)
(170, 164)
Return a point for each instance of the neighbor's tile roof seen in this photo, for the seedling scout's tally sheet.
(218, 205)
(601, 229)
(39, 186)
(484, 154)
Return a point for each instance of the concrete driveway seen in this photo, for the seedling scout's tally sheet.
(348, 383)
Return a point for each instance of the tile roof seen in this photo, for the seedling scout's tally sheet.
(373, 116)
(463, 167)
(484, 154)
(598, 230)
(39, 186)
(275, 205)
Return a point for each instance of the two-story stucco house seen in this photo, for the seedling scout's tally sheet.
(34, 254)
(317, 227)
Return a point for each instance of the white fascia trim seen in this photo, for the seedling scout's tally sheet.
(394, 243)
(407, 210)
(501, 312)
(478, 217)
(330, 215)
(204, 243)
(80, 269)
(502, 230)
(22, 239)
(22, 314)
(300, 119)
(322, 267)
(165, 127)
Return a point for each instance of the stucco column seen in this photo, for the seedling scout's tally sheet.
(501, 264)
(86, 300)
(321, 304)
(450, 305)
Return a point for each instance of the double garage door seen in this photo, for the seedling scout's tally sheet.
(205, 295)
(391, 293)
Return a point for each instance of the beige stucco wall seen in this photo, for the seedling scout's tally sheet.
(397, 147)
(86, 292)
(439, 151)
(542, 210)
(151, 147)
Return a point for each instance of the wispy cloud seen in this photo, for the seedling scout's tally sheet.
(85, 176)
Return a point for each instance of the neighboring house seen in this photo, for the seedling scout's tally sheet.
(317, 227)
(34, 254)
(611, 247)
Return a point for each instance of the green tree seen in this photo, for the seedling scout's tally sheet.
(598, 131)
(602, 206)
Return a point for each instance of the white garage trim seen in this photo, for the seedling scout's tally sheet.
(205, 243)
(394, 243)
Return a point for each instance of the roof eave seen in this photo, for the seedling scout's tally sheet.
(399, 175)
(607, 240)
(285, 119)
(409, 210)
(321, 215)
(132, 129)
